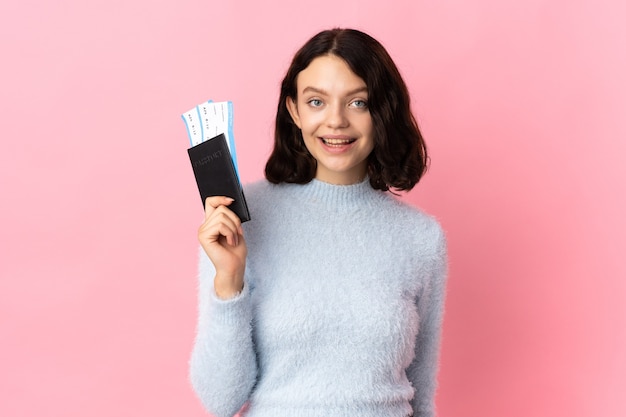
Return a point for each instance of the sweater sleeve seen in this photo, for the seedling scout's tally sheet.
(423, 370)
(223, 366)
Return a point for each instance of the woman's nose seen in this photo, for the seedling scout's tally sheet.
(337, 117)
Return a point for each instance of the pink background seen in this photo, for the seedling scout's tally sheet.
(522, 104)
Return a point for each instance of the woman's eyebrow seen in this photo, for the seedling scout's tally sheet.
(323, 92)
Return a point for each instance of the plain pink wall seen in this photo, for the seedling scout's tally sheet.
(522, 104)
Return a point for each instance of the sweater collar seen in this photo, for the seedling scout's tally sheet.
(341, 196)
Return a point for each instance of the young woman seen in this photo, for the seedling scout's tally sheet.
(329, 301)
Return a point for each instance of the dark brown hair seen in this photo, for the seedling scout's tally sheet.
(399, 158)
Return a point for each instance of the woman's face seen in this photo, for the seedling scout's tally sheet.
(332, 111)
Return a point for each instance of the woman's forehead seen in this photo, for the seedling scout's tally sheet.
(329, 75)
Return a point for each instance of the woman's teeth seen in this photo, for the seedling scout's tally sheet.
(337, 142)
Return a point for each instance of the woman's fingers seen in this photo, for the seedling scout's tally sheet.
(219, 225)
(221, 236)
(220, 221)
(212, 203)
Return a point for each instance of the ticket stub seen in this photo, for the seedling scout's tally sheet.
(209, 120)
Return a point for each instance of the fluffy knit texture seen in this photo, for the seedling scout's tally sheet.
(341, 309)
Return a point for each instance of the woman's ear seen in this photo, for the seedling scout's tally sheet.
(292, 108)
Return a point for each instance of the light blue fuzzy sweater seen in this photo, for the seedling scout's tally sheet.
(340, 314)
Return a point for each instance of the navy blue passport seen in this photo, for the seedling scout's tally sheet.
(215, 174)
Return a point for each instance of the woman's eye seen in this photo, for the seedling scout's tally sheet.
(315, 102)
(361, 104)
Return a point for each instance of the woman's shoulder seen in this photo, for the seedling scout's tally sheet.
(256, 187)
(259, 191)
(415, 219)
(262, 197)
(411, 212)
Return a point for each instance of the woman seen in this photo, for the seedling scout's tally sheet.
(329, 302)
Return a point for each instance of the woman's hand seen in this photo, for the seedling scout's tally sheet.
(221, 237)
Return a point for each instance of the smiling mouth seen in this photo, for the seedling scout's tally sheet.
(337, 142)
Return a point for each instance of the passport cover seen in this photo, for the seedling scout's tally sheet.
(215, 174)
